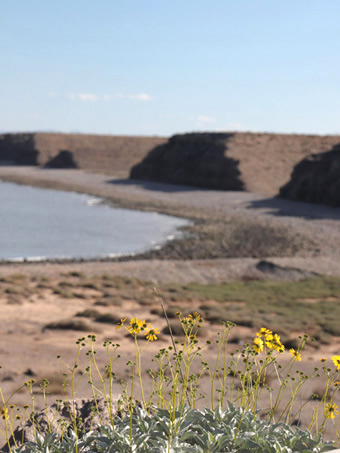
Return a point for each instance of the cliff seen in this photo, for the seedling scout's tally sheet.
(255, 162)
(110, 154)
(316, 179)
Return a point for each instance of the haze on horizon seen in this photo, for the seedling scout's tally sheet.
(159, 68)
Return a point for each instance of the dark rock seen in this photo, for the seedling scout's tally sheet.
(316, 179)
(284, 273)
(63, 160)
(89, 413)
(199, 159)
(18, 149)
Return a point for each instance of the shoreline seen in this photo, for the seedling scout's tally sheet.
(222, 224)
(36, 295)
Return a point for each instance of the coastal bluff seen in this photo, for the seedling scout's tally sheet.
(256, 162)
(111, 154)
(316, 179)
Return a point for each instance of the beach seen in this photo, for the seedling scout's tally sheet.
(42, 302)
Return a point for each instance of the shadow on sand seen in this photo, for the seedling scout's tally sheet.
(290, 208)
(155, 186)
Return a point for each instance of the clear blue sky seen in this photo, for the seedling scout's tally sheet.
(158, 67)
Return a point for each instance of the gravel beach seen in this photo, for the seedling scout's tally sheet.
(219, 216)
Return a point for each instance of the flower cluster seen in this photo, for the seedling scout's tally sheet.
(193, 319)
(336, 361)
(265, 337)
(4, 413)
(137, 326)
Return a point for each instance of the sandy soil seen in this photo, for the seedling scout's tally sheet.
(27, 349)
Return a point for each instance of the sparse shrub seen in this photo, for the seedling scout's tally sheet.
(108, 318)
(88, 313)
(332, 327)
(63, 292)
(76, 274)
(13, 278)
(69, 324)
(65, 284)
(91, 285)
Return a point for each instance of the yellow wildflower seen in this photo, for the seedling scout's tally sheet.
(263, 331)
(295, 354)
(136, 326)
(258, 345)
(274, 342)
(195, 318)
(151, 333)
(336, 361)
(323, 360)
(277, 345)
(268, 339)
(120, 323)
(331, 410)
(4, 413)
(336, 384)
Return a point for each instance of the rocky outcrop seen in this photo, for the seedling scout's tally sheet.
(316, 179)
(270, 270)
(110, 154)
(88, 412)
(192, 159)
(18, 149)
(254, 162)
(64, 159)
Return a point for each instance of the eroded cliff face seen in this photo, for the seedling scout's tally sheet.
(316, 179)
(254, 162)
(198, 160)
(18, 149)
(111, 154)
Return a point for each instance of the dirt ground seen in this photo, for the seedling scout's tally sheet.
(33, 334)
(29, 349)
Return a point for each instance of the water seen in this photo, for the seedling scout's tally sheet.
(41, 224)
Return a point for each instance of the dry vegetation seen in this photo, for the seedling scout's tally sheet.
(42, 317)
(311, 305)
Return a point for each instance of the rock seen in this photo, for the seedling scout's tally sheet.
(283, 273)
(18, 149)
(316, 179)
(64, 160)
(199, 159)
(29, 372)
(89, 413)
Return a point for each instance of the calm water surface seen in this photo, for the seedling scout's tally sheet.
(38, 223)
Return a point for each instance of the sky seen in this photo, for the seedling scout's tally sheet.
(160, 67)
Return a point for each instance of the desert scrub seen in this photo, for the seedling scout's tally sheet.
(166, 417)
(204, 431)
(69, 324)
